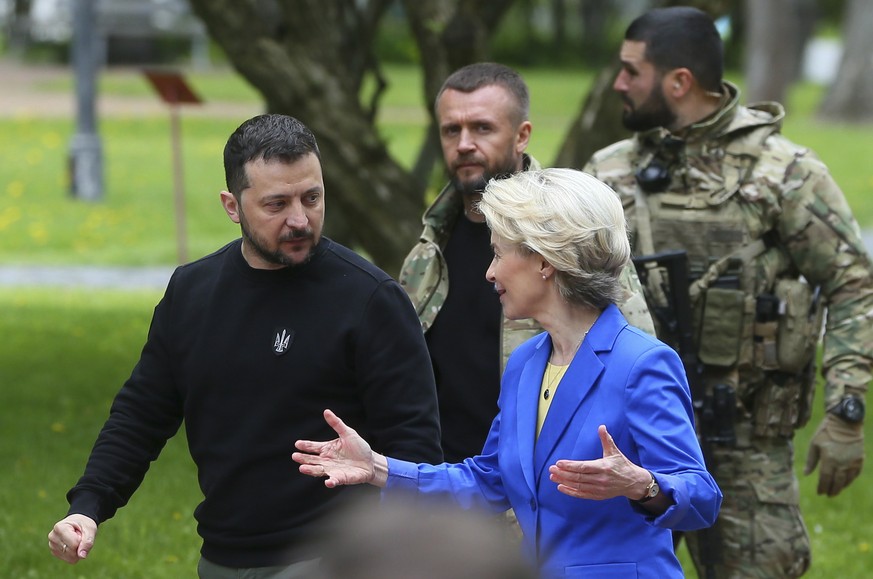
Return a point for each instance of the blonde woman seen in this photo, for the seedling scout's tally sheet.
(594, 446)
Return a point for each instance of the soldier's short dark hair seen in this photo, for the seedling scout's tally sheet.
(475, 76)
(267, 137)
(681, 37)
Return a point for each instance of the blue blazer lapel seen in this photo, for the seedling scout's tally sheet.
(567, 410)
(528, 397)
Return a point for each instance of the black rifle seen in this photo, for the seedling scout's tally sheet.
(714, 411)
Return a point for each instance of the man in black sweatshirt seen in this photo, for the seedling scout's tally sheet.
(248, 346)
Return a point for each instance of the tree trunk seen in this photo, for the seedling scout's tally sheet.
(807, 17)
(850, 97)
(427, 19)
(17, 27)
(770, 63)
(449, 35)
(559, 26)
(596, 18)
(597, 125)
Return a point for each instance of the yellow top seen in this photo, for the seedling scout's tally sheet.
(551, 380)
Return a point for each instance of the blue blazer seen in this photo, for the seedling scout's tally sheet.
(636, 386)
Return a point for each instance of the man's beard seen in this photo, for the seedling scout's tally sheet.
(476, 186)
(652, 113)
(275, 256)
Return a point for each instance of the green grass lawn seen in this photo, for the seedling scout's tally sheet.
(65, 355)
(66, 352)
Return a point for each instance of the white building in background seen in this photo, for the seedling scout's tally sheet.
(130, 21)
(821, 60)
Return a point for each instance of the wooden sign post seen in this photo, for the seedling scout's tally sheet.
(174, 91)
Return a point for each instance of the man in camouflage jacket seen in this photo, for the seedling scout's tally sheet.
(770, 239)
(482, 110)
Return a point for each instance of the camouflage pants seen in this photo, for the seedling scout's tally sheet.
(512, 529)
(759, 532)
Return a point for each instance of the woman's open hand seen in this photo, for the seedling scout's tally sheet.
(347, 460)
(611, 476)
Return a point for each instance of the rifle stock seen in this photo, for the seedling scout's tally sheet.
(677, 321)
(676, 317)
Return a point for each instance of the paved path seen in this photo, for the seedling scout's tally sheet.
(129, 278)
(31, 91)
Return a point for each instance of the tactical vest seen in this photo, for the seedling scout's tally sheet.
(756, 322)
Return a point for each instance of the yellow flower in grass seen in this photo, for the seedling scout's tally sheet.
(59, 427)
(38, 233)
(8, 216)
(51, 140)
(81, 246)
(15, 189)
(35, 156)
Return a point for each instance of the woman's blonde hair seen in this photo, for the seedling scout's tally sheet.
(574, 221)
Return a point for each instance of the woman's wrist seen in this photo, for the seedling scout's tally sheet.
(643, 487)
(380, 468)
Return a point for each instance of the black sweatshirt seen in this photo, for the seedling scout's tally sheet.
(249, 359)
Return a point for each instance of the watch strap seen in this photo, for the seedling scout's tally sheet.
(652, 490)
(850, 408)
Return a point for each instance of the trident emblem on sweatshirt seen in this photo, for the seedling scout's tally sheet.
(282, 341)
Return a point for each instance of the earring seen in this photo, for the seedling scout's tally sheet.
(544, 277)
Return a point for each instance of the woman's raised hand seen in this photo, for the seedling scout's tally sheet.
(346, 460)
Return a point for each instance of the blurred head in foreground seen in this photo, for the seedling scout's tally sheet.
(399, 539)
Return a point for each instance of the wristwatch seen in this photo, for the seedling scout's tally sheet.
(652, 490)
(850, 409)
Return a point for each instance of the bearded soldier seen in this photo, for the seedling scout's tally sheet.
(771, 244)
(482, 110)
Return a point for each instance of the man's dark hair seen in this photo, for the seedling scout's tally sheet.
(475, 76)
(266, 137)
(681, 37)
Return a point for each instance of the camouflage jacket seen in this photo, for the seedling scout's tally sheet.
(735, 166)
(424, 274)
